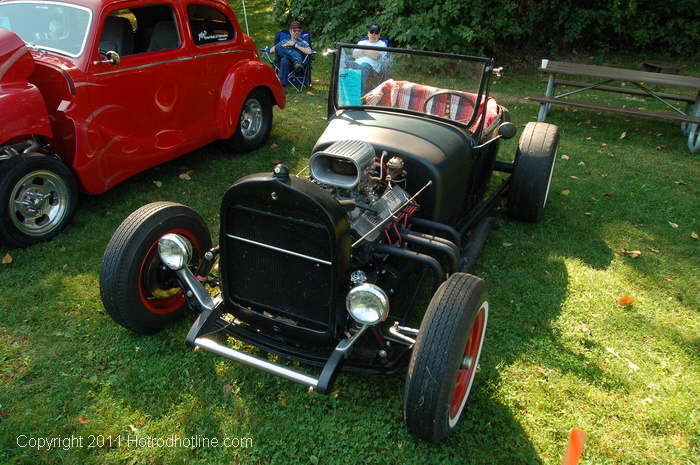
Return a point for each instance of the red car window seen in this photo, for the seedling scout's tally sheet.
(209, 25)
(140, 30)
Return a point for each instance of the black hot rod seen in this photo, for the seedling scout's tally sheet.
(325, 268)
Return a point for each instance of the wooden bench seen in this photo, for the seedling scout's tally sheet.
(690, 118)
(623, 90)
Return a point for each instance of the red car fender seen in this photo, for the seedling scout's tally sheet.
(244, 77)
(24, 112)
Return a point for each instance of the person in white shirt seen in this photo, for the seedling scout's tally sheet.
(370, 58)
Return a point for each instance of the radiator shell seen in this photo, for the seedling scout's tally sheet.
(284, 259)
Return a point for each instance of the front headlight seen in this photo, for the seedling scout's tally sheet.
(367, 304)
(175, 251)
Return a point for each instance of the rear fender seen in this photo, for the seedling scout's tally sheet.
(242, 79)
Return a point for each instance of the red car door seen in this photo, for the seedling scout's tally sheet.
(141, 105)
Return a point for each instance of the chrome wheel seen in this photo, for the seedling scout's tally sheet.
(39, 202)
(251, 118)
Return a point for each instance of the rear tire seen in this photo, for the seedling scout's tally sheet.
(254, 123)
(445, 357)
(38, 198)
(137, 291)
(532, 171)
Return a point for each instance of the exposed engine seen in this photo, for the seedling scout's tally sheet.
(371, 187)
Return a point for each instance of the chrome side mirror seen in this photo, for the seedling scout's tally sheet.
(111, 58)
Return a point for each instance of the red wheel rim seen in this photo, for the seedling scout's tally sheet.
(153, 304)
(467, 368)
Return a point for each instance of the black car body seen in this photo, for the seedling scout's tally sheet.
(326, 269)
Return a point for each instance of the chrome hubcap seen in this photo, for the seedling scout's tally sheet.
(38, 203)
(251, 118)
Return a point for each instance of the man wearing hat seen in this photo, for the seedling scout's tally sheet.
(370, 61)
(370, 57)
(292, 50)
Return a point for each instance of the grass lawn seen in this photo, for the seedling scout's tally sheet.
(560, 352)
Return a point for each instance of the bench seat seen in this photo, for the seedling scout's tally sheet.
(411, 96)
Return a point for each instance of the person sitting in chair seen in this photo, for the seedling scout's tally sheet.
(370, 61)
(291, 50)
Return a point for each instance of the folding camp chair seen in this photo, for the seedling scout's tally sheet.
(298, 78)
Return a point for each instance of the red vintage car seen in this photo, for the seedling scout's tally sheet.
(95, 91)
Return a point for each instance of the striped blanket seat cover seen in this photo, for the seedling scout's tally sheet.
(411, 96)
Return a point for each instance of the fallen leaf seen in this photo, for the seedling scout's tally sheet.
(603, 175)
(581, 163)
(227, 389)
(574, 177)
(631, 253)
(65, 266)
(3, 413)
(623, 135)
(673, 225)
(625, 301)
(83, 420)
(541, 370)
(293, 149)
(507, 244)
(276, 162)
(310, 93)
(185, 176)
(566, 192)
(608, 196)
(588, 213)
(680, 183)
(589, 138)
(274, 146)
(564, 157)
(660, 147)
(283, 403)
(651, 249)
(583, 327)
(7, 259)
(603, 144)
(158, 183)
(694, 235)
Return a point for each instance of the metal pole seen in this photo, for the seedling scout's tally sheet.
(245, 16)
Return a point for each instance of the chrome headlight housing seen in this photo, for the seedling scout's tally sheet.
(367, 304)
(175, 251)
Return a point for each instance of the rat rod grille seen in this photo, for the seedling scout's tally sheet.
(279, 266)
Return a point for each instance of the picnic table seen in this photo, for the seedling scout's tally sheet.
(690, 118)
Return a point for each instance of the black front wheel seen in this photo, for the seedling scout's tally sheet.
(138, 291)
(445, 357)
(38, 198)
(533, 170)
(254, 124)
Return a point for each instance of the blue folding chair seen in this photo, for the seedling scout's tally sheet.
(299, 79)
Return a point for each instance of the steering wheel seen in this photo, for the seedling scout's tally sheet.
(462, 95)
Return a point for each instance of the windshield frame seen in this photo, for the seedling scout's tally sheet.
(69, 5)
(482, 95)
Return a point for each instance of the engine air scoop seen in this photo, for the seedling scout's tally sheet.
(343, 164)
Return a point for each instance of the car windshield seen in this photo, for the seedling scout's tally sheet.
(441, 85)
(53, 26)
